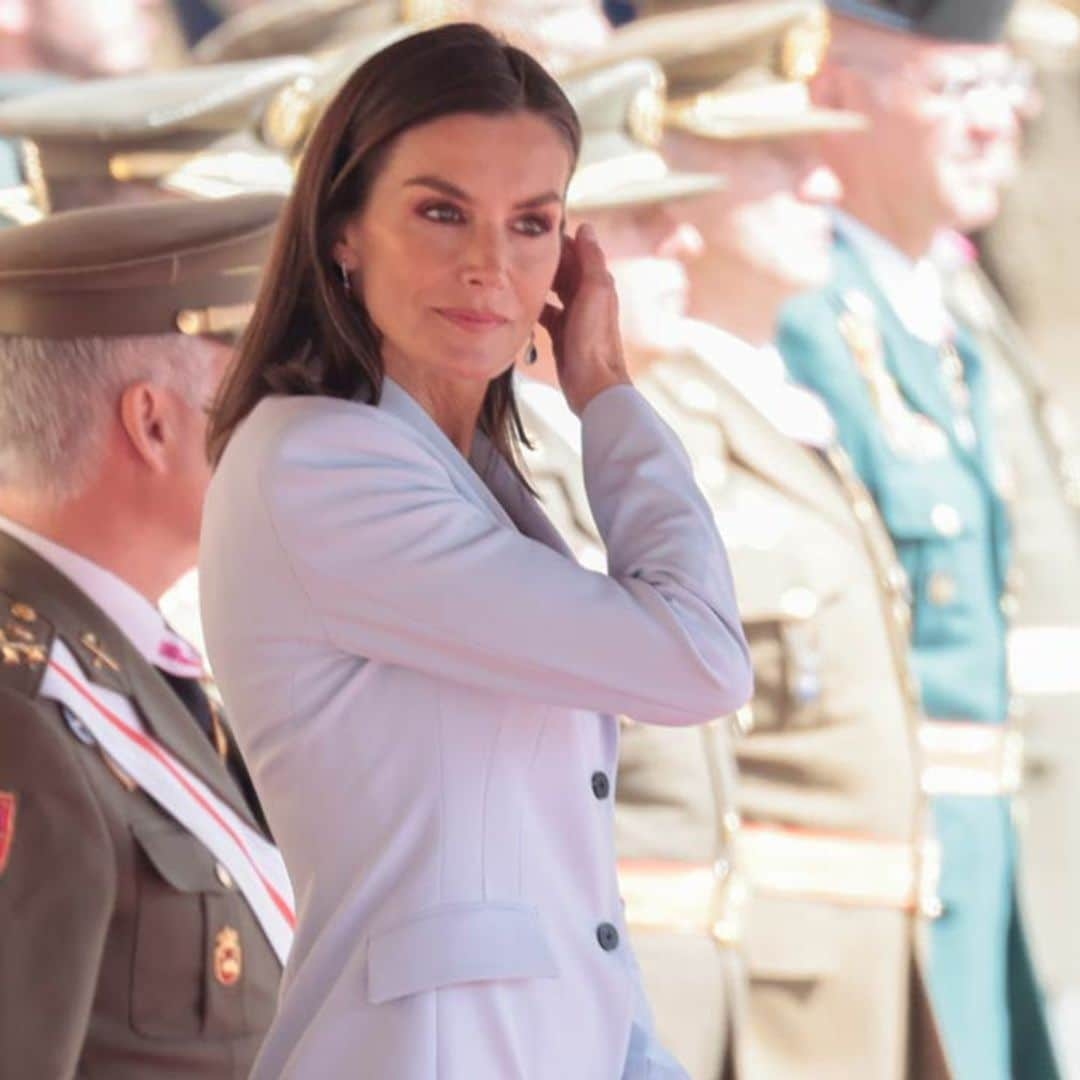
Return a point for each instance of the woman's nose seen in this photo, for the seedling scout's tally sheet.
(486, 256)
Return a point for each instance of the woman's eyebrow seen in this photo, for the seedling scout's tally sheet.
(438, 184)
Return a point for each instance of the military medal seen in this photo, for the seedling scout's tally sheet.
(909, 433)
(228, 957)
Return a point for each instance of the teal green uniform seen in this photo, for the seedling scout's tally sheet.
(922, 443)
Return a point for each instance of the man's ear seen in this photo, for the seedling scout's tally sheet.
(146, 421)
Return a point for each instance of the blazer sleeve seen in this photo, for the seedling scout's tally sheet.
(400, 567)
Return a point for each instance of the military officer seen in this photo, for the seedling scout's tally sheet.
(146, 912)
(907, 387)
(1040, 454)
(834, 848)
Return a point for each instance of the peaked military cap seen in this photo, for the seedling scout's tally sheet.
(294, 110)
(190, 266)
(280, 27)
(738, 70)
(621, 109)
(969, 21)
(138, 128)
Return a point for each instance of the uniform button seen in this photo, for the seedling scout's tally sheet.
(732, 821)
(601, 785)
(864, 510)
(942, 588)
(947, 520)
(744, 720)
(223, 876)
(799, 603)
(608, 936)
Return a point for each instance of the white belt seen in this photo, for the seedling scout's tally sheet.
(682, 897)
(841, 868)
(960, 757)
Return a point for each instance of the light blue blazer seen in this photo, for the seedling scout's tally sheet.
(424, 684)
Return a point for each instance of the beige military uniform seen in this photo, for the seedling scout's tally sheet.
(675, 811)
(1040, 459)
(832, 843)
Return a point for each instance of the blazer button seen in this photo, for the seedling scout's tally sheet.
(601, 785)
(608, 936)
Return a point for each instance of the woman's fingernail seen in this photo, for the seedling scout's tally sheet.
(587, 232)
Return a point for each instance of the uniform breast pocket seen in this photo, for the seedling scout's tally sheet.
(188, 946)
(783, 630)
(938, 551)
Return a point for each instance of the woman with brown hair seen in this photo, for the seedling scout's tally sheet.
(421, 676)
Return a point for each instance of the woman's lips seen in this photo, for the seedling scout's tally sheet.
(474, 321)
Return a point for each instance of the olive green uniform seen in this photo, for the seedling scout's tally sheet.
(115, 917)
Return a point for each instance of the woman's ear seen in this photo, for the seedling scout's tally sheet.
(346, 245)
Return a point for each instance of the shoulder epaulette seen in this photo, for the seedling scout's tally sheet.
(25, 639)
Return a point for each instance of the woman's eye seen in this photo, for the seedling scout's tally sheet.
(443, 213)
(533, 225)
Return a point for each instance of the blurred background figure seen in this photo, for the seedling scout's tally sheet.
(1040, 460)
(1030, 250)
(835, 851)
(908, 388)
(81, 38)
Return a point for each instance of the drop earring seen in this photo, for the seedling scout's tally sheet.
(344, 276)
(531, 355)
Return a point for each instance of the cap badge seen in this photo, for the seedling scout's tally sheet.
(290, 115)
(645, 116)
(804, 46)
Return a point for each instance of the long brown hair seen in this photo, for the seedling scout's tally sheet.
(308, 335)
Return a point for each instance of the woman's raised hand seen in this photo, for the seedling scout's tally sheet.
(585, 330)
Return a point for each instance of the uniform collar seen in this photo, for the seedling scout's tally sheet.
(759, 374)
(140, 622)
(913, 287)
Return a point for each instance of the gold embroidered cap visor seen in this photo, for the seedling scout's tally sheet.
(152, 268)
(621, 109)
(613, 171)
(279, 27)
(738, 70)
(140, 127)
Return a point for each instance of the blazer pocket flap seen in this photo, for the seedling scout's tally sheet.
(458, 943)
(789, 940)
(178, 857)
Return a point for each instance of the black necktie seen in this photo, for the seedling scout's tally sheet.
(197, 703)
(194, 698)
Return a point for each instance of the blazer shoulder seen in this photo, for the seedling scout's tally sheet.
(319, 432)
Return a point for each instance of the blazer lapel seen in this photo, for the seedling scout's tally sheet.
(399, 403)
(514, 498)
(109, 659)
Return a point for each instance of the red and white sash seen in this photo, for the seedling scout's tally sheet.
(254, 863)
